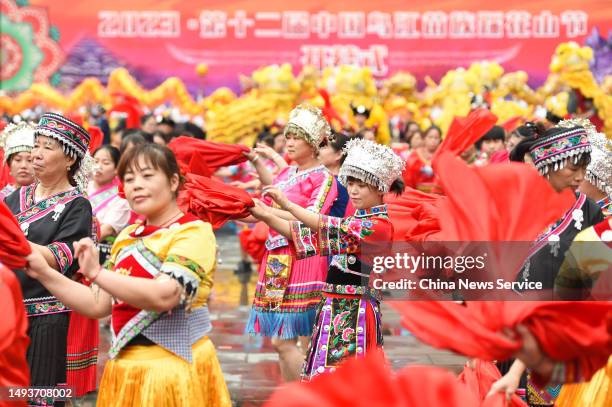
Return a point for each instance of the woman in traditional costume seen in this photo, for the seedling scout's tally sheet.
(17, 142)
(289, 289)
(348, 321)
(53, 214)
(111, 211)
(561, 154)
(156, 290)
(419, 173)
(598, 180)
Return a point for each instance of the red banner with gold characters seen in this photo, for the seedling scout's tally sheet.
(64, 41)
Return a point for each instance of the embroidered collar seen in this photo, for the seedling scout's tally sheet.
(375, 210)
(146, 230)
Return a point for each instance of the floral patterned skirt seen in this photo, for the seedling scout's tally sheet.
(346, 326)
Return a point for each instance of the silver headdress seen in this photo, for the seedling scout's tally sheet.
(599, 170)
(308, 122)
(371, 163)
(17, 138)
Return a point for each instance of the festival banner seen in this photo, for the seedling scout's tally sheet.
(211, 43)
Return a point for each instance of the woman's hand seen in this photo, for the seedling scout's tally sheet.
(277, 196)
(37, 266)
(88, 256)
(260, 210)
(251, 155)
(265, 151)
(508, 385)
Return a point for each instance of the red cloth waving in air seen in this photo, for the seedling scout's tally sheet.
(580, 328)
(465, 131)
(368, 382)
(216, 155)
(13, 245)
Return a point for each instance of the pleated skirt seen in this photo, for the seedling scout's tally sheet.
(295, 315)
(82, 354)
(152, 376)
(46, 354)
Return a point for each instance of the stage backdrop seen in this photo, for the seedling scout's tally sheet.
(64, 41)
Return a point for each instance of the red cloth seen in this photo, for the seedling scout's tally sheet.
(253, 241)
(368, 382)
(580, 328)
(414, 215)
(5, 172)
(13, 244)
(96, 138)
(14, 340)
(500, 157)
(496, 203)
(465, 131)
(328, 110)
(479, 380)
(214, 201)
(129, 106)
(216, 155)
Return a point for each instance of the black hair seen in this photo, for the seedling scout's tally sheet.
(529, 129)
(190, 129)
(112, 151)
(430, 128)
(397, 187)
(553, 118)
(518, 152)
(135, 138)
(404, 132)
(337, 142)
(496, 133)
(144, 118)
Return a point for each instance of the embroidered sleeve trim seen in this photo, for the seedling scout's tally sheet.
(62, 255)
(303, 240)
(188, 273)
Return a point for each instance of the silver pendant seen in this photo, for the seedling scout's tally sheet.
(25, 226)
(578, 217)
(57, 211)
(554, 244)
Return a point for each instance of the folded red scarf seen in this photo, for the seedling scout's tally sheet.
(213, 201)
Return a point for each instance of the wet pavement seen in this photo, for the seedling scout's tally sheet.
(249, 363)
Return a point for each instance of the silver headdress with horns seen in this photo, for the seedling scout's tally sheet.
(17, 138)
(308, 122)
(371, 163)
(599, 170)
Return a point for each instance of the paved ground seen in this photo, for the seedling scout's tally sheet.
(250, 364)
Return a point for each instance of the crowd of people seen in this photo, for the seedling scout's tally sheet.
(118, 220)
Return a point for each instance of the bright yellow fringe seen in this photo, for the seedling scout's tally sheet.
(595, 393)
(152, 376)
